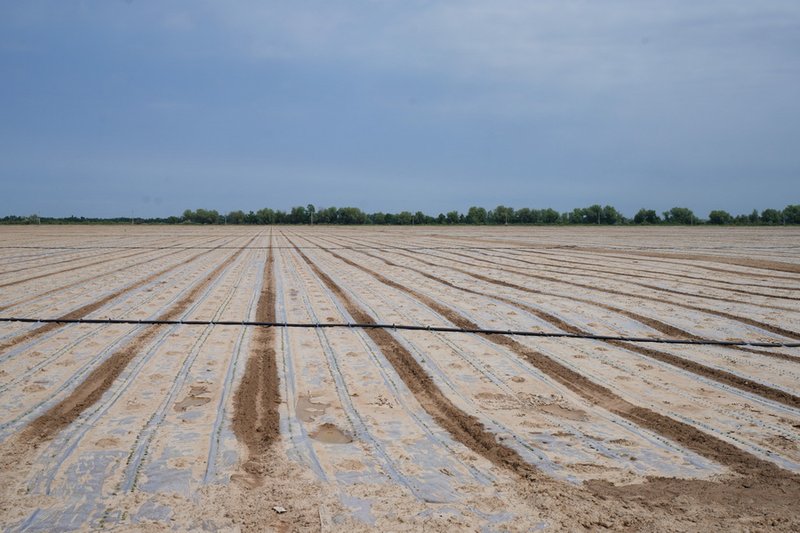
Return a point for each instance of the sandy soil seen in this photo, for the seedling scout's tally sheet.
(208, 427)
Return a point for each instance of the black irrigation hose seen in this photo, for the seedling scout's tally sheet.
(387, 247)
(442, 329)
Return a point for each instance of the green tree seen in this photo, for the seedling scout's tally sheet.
(773, 217)
(476, 215)
(452, 217)
(680, 215)
(719, 217)
(791, 214)
(646, 216)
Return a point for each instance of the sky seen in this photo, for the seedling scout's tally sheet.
(109, 107)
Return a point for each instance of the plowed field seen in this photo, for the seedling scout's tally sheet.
(211, 426)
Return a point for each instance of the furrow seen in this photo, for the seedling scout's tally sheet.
(84, 310)
(686, 435)
(92, 388)
(256, 421)
(465, 428)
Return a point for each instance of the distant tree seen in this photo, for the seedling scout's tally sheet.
(404, 218)
(476, 215)
(298, 215)
(646, 216)
(311, 211)
(791, 214)
(752, 218)
(419, 218)
(441, 219)
(773, 217)
(235, 217)
(719, 217)
(610, 215)
(550, 216)
(502, 215)
(378, 218)
(680, 215)
(452, 217)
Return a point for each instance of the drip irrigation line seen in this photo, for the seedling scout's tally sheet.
(386, 247)
(404, 327)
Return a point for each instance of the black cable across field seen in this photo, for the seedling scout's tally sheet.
(407, 327)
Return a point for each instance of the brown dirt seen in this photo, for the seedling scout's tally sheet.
(761, 485)
(83, 311)
(712, 373)
(761, 264)
(581, 266)
(657, 325)
(595, 273)
(91, 389)
(463, 427)
(40, 276)
(256, 421)
(81, 281)
(768, 327)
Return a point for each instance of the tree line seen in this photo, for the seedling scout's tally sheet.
(500, 215)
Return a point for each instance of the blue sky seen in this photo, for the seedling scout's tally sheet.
(109, 107)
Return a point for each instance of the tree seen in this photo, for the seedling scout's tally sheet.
(646, 216)
(773, 217)
(476, 215)
(298, 215)
(791, 214)
(719, 217)
(310, 209)
(680, 215)
(452, 217)
(235, 217)
(503, 215)
(549, 216)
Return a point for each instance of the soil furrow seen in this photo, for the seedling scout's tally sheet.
(76, 283)
(651, 274)
(101, 378)
(688, 436)
(256, 421)
(596, 274)
(83, 311)
(463, 427)
(644, 285)
(48, 274)
(744, 320)
(657, 325)
(699, 369)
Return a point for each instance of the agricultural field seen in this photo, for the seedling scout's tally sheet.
(211, 426)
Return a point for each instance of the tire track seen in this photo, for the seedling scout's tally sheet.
(256, 421)
(699, 369)
(84, 310)
(92, 388)
(686, 435)
(465, 428)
